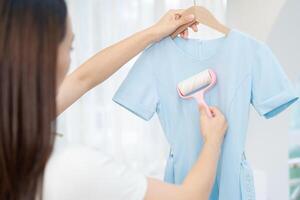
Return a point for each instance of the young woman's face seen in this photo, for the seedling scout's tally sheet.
(64, 53)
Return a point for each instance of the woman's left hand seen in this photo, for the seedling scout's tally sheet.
(170, 22)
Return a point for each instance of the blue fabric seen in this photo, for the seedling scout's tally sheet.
(247, 72)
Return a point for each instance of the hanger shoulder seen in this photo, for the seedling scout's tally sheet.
(202, 16)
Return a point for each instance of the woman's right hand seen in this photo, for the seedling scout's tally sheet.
(213, 128)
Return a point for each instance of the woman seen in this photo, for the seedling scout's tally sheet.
(35, 44)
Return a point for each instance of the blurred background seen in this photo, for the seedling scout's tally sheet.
(273, 146)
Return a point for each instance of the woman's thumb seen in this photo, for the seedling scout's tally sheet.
(186, 19)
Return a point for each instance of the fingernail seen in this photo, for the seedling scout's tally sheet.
(190, 17)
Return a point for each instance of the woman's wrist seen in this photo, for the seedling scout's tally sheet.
(153, 34)
(213, 144)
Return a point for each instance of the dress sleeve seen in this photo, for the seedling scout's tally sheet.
(138, 92)
(272, 91)
(82, 173)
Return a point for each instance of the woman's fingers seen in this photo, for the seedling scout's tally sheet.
(183, 20)
(185, 33)
(177, 16)
(172, 21)
(215, 111)
(195, 27)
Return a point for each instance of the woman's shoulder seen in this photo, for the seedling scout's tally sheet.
(77, 172)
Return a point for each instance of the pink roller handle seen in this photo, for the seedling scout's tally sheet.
(200, 100)
(199, 96)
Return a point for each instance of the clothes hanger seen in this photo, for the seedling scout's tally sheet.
(202, 16)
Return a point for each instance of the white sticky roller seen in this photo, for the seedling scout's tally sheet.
(196, 87)
(195, 82)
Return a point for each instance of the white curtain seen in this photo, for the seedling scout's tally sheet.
(95, 120)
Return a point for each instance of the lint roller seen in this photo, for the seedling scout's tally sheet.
(196, 87)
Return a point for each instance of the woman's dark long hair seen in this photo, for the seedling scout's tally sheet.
(30, 34)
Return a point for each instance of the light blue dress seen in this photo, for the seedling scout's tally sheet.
(248, 73)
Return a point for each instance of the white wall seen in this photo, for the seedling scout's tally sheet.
(254, 16)
(277, 23)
